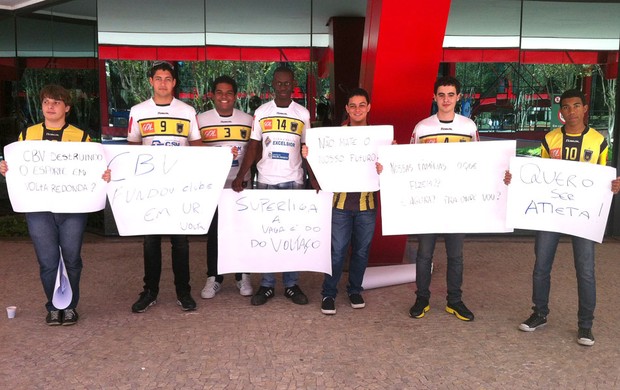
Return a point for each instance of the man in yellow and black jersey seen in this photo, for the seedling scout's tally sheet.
(51, 232)
(164, 120)
(354, 215)
(574, 141)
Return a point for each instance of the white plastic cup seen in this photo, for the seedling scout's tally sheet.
(10, 311)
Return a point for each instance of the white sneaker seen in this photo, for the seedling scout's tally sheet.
(211, 288)
(245, 285)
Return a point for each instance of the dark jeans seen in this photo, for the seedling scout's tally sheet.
(583, 254)
(180, 263)
(212, 252)
(454, 273)
(355, 228)
(52, 233)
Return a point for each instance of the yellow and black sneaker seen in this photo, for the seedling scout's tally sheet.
(419, 308)
(460, 311)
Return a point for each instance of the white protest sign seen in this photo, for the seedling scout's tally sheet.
(274, 231)
(165, 190)
(61, 177)
(444, 187)
(560, 196)
(343, 158)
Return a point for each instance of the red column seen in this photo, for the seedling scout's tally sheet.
(400, 61)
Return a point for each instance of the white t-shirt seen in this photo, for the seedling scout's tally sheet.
(172, 124)
(282, 130)
(228, 131)
(432, 130)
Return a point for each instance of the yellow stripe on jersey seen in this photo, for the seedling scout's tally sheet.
(150, 127)
(344, 201)
(225, 133)
(444, 138)
(282, 125)
(68, 133)
(589, 146)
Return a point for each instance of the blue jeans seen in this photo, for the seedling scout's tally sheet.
(454, 273)
(50, 234)
(583, 253)
(288, 278)
(180, 263)
(355, 228)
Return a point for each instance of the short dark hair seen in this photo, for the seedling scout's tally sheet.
(56, 92)
(162, 65)
(226, 80)
(358, 92)
(573, 93)
(284, 69)
(447, 81)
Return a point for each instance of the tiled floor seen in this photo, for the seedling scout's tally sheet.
(229, 344)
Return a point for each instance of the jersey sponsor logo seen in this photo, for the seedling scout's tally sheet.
(428, 140)
(165, 143)
(147, 127)
(268, 141)
(278, 156)
(555, 153)
(208, 134)
(587, 155)
(267, 124)
(284, 143)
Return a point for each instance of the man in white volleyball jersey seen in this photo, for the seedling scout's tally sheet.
(225, 126)
(279, 127)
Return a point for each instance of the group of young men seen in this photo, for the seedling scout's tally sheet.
(164, 120)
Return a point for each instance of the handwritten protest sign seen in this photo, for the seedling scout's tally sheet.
(274, 231)
(343, 158)
(165, 190)
(560, 196)
(61, 177)
(445, 187)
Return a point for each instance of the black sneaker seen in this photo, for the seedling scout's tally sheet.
(54, 317)
(328, 306)
(585, 337)
(357, 302)
(534, 322)
(419, 308)
(460, 311)
(70, 317)
(296, 295)
(186, 302)
(146, 299)
(261, 296)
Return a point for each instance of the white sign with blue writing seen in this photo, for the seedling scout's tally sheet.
(165, 190)
(560, 196)
(61, 177)
(444, 187)
(343, 158)
(274, 231)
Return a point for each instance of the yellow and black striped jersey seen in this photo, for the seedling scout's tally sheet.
(589, 146)
(67, 133)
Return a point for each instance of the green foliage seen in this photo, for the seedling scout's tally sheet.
(532, 152)
(82, 84)
(13, 226)
(128, 83)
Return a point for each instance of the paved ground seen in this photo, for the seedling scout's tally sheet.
(228, 344)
